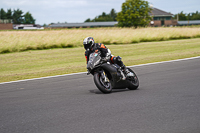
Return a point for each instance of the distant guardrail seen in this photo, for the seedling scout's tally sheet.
(189, 22)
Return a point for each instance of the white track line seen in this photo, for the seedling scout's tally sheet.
(166, 61)
(85, 72)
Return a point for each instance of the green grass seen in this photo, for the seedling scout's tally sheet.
(41, 63)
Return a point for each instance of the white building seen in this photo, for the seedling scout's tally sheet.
(27, 26)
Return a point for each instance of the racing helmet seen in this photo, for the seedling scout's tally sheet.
(88, 43)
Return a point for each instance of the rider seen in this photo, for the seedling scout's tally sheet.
(90, 46)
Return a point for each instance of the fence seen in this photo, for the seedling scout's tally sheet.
(5, 21)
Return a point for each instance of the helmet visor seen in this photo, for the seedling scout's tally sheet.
(87, 46)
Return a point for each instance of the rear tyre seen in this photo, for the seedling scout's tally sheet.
(104, 87)
(133, 81)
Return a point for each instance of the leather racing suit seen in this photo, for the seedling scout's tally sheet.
(105, 53)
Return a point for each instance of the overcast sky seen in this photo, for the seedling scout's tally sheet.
(48, 11)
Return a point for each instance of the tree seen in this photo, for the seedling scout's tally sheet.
(190, 16)
(182, 16)
(113, 14)
(2, 14)
(88, 20)
(195, 16)
(9, 14)
(134, 13)
(28, 19)
(104, 17)
(18, 17)
(103, 14)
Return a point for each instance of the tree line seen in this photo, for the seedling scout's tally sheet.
(190, 16)
(112, 16)
(104, 17)
(134, 13)
(17, 16)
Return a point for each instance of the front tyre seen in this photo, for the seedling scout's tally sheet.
(133, 81)
(104, 87)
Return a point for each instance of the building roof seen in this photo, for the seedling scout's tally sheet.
(157, 12)
(86, 24)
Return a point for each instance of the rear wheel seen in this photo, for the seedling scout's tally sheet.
(104, 87)
(133, 81)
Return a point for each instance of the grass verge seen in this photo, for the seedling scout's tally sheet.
(41, 63)
(17, 41)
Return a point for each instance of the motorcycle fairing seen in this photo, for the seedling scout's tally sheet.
(116, 81)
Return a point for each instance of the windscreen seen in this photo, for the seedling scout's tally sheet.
(94, 60)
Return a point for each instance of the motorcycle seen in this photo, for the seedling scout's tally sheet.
(108, 76)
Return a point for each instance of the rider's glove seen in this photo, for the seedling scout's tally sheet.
(118, 58)
(88, 72)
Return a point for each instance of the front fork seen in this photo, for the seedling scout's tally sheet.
(123, 77)
(103, 74)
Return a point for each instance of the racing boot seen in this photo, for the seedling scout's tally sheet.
(127, 72)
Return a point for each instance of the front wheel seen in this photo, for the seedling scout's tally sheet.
(133, 81)
(104, 87)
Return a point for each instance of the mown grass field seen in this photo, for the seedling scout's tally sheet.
(15, 41)
(41, 63)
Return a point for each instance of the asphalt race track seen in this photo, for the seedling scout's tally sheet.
(167, 101)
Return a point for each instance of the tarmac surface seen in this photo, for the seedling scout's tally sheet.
(167, 101)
